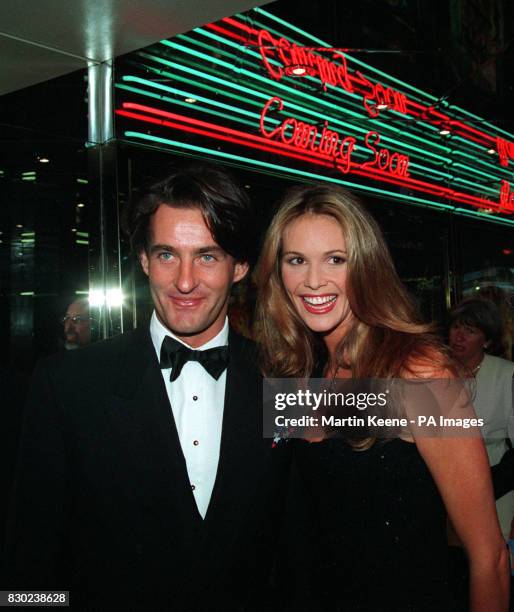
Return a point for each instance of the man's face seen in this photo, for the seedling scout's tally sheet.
(77, 325)
(190, 275)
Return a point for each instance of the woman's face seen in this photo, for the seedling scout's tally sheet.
(314, 271)
(467, 343)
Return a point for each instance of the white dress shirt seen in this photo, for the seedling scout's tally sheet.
(197, 401)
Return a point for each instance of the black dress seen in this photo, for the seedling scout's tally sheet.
(379, 536)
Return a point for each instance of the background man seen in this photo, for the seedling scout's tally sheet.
(77, 324)
(144, 480)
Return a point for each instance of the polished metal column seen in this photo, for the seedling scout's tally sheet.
(105, 294)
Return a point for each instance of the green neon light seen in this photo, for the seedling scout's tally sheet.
(194, 41)
(384, 139)
(331, 89)
(181, 79)
(425, 95)
(480, 161)
(426, 169)
(200, 54)
(475, 171)
(470, 143)
(322, 43)
(481, 188)
(185, 94)
(25, 293)
(356, 99)
(484, 216)
(319, 177)
(235, 109)
(204, 75)
(208, 111)
(28, 234)
(81, 242)
(82, 181)
(28, 178)
(83, 234)
(356, 102)
(27, 240)
(334, 121)
(254, 162)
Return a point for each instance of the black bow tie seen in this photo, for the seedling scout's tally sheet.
(174, 355)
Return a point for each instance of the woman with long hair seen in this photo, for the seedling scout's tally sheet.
(330, 302)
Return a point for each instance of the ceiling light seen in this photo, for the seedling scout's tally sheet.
(19, 225)
(190, 100)
(491, 151)
(444, 131)
(382, 106)
(43, 160)
(300, 70)
(80, 205)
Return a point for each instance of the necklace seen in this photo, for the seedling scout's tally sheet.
(474, 371)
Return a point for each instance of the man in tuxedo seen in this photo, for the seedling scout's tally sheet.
(144, 481)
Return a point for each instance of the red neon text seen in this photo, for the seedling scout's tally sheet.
(394, 163)
(329, 72)
(380, 95)
(505, 150)
(289, 54)
(305, 136)
(158, 117)
(506, 197)
(277, 52)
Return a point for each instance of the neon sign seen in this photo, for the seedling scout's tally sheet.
(247, 104)
(505, 151)
(290, 55)
(339, 148)
(506, 197)
(329, 72)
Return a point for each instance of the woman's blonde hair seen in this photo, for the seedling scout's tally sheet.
(387, 334)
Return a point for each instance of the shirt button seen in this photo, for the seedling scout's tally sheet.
(196, 443)
(193, 487)
(195, 397)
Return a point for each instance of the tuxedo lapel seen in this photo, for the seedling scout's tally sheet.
(241, 426)
(141, 408)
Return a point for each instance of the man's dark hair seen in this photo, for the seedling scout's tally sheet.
(207, 187)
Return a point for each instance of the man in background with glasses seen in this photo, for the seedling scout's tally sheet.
(77, 324)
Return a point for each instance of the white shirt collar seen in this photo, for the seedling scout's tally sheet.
(158, 332)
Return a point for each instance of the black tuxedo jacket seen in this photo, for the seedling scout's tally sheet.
(102, 503)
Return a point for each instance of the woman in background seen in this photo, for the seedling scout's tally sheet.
(475, 339)
(330, 301)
